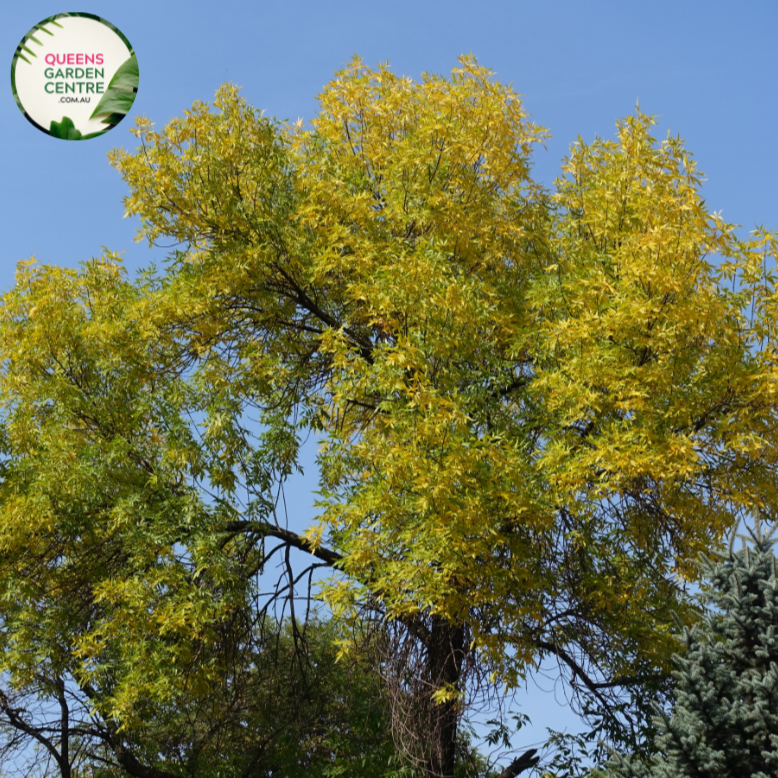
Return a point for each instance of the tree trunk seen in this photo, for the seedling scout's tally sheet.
(445, 652)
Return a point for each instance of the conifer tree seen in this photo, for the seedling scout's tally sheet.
(724, 722)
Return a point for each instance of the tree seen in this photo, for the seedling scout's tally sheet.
(277, 711)
(534, 407)
(724, 720)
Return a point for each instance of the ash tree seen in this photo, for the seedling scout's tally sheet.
(725, 717)
(534, 407)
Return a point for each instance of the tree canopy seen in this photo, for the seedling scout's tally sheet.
(535, 406)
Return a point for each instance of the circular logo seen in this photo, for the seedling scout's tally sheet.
(74, 76)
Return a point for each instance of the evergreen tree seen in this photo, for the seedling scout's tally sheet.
(724, 721)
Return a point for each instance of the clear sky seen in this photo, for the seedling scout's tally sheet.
(706, 69)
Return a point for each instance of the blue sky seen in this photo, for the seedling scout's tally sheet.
(706, 69)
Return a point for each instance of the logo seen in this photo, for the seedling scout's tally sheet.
(74, 76)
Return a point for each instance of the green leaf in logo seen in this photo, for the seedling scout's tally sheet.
(120, 95)
(65, 129)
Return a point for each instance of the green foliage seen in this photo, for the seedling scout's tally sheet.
(724, 721)
(65, 129)
(286, 705)
(292, 709)
(120, 94)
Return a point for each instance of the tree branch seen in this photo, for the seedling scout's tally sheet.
(266, 529)
(593, 686)
(17, 722)
(524, 762)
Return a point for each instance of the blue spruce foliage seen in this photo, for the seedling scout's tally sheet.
(724, 719)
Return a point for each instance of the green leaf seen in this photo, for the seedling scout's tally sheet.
(51, 20)
(113, 118)
(120, 95)
(119, 102)
(127, 74)
(65, 130)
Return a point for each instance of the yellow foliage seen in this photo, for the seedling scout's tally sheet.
(532, 403)
(529, 398)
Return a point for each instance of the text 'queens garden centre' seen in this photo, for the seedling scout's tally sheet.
(74, 76)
